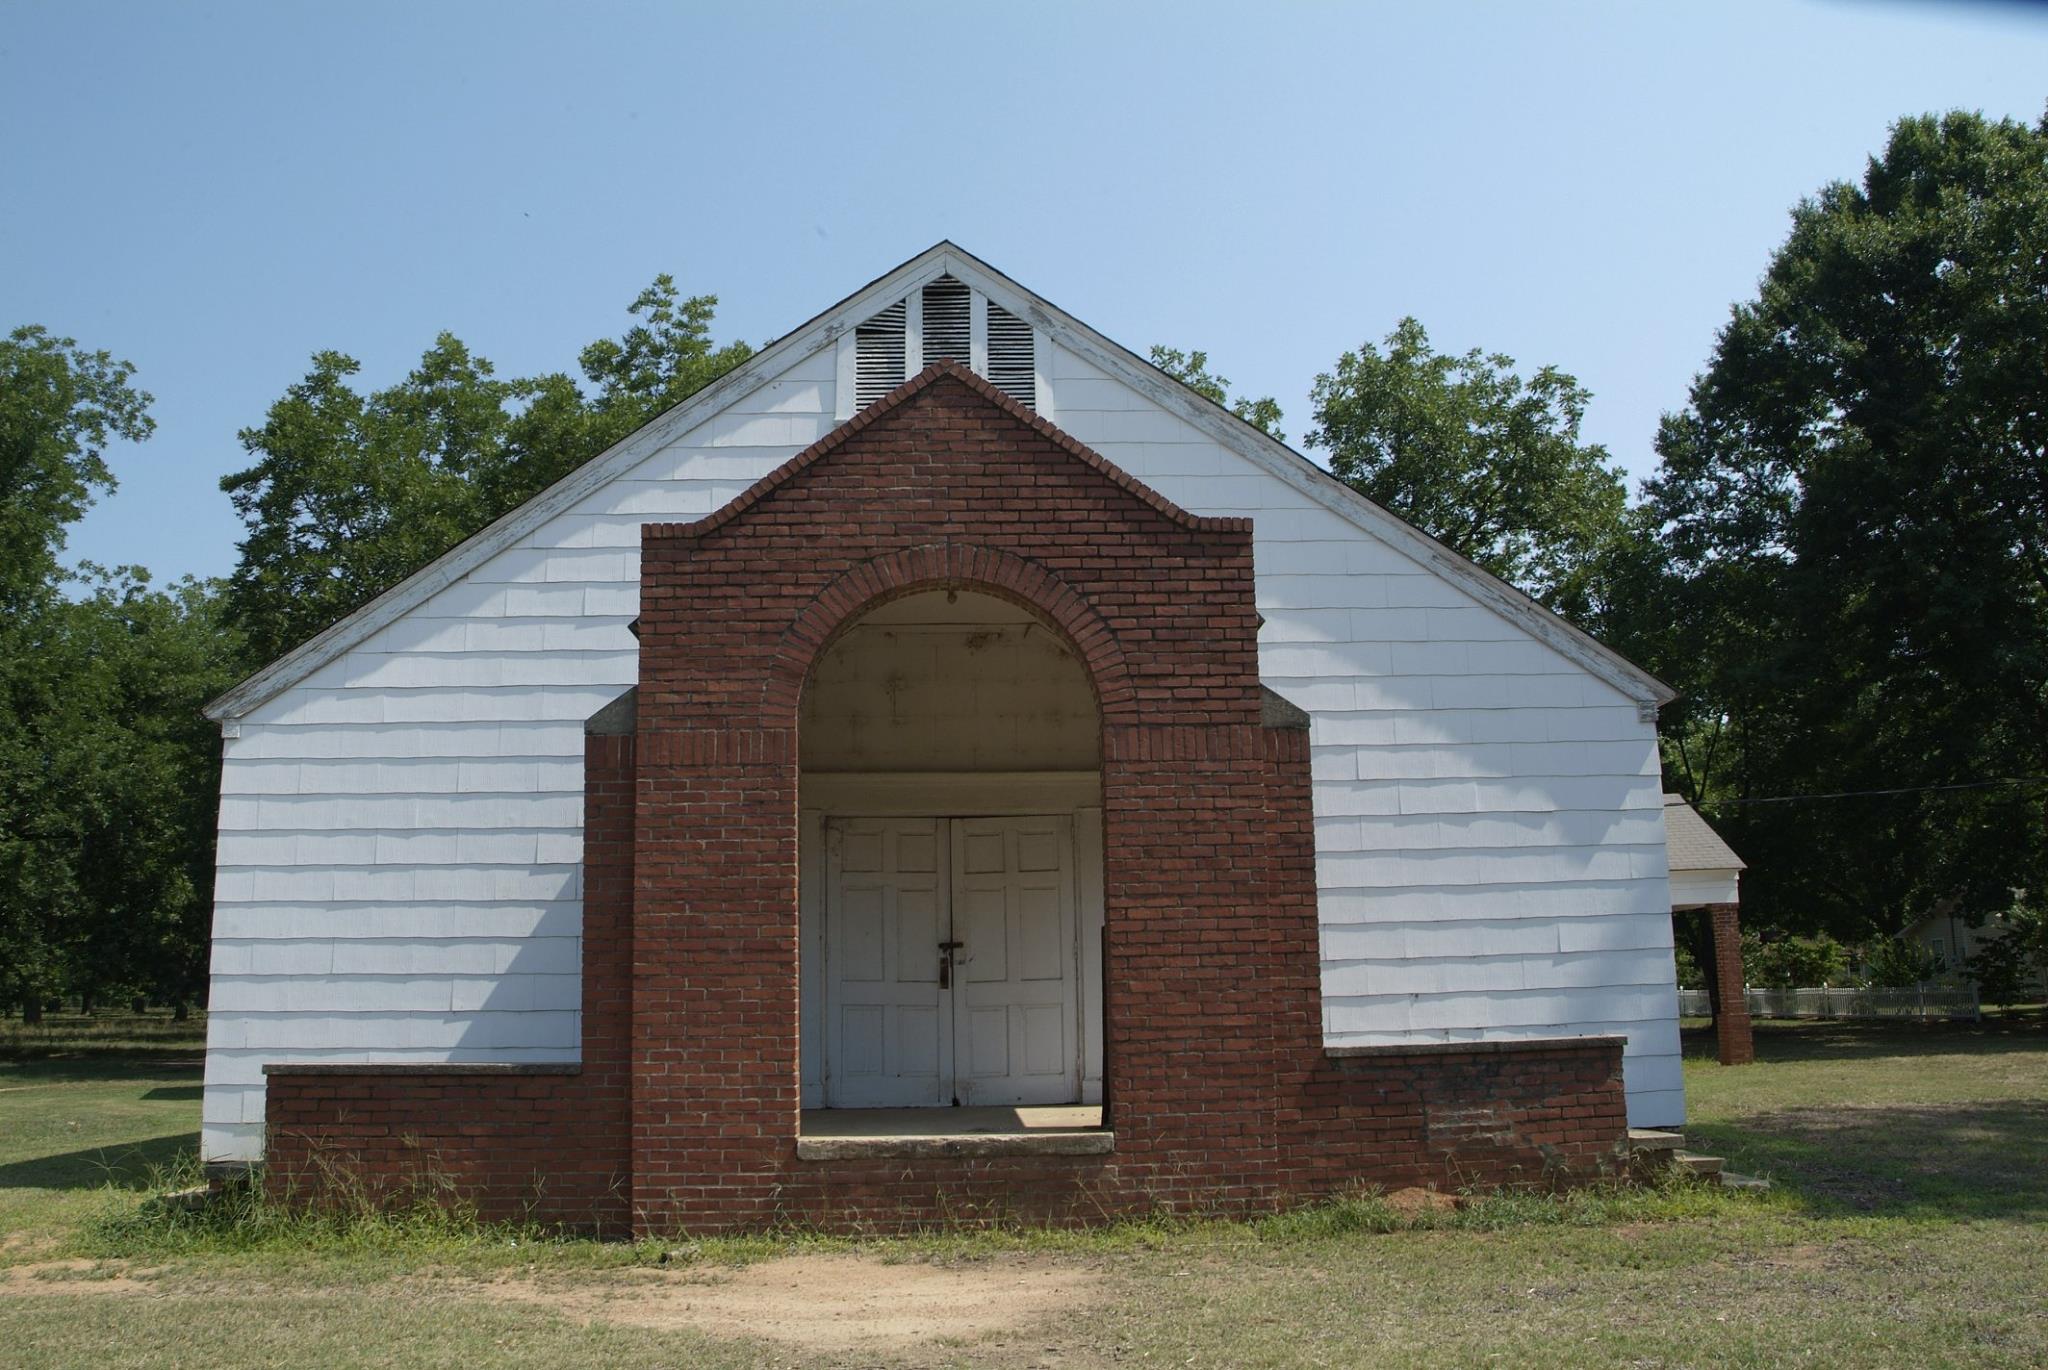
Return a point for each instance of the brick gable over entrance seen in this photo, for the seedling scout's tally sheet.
(1219, 1093)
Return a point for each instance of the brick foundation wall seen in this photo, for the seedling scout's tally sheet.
(1479, 1114)
(1220, 1094)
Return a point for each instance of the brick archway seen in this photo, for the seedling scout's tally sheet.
(951, 566)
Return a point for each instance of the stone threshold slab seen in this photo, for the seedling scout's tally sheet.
(957, 1145)
(1484, 1048)
(423, 1068)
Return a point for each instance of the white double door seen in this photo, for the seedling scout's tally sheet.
(951, 962)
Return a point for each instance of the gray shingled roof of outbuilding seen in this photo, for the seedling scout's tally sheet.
(1693, 846)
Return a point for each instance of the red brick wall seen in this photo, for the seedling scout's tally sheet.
(1221, 1096)
(1479, 1115)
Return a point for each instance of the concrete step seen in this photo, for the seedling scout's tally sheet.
(1655, 1147)
(187, 1200)
(1646, 1142)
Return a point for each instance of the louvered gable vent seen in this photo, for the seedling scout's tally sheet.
(948, 322)
(879, 355)
(1012, 360)
(945, 321)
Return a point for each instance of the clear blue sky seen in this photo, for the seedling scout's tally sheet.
(216, 190)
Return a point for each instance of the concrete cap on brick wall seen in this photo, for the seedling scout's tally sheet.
(617, 719)
(1277, 711)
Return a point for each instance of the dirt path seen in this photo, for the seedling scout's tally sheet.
(812, 1303)
(70, 1278)
(830, 1303)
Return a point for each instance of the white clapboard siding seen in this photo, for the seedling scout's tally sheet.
(401, 831)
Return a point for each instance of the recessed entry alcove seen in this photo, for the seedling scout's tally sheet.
(952, 890)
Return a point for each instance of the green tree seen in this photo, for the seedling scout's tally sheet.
(350, 492)
(2002, 969)
(1857, 528)
(2008, 965)
(1793, 962)
(59, 407)
(1485, 461)
(1192, 370)
(109, 774)
(1894, 963)
(2027, 920)
(107, 770)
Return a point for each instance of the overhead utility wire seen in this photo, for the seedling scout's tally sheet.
(1866, 794)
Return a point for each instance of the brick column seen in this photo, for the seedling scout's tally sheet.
(715, 1066)
(1732, 1034)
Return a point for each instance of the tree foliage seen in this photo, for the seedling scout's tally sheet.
(1856, 522)
(352, 490)
(1895, 963)
(107, 771)
(1485, 461)
(1192, 370)
(1793, 962)
(59, 407)
(2007, 966)
(2002, 970)
(108, 781)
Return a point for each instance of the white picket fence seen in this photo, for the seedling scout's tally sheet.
(1917, 1001)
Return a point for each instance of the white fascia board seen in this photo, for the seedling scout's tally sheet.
(1692, 889)
(1304, 475)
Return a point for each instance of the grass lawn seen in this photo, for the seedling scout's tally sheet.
(88, 1107)
(1906, 1228)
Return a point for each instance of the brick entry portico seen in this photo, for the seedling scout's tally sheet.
(685, 1112)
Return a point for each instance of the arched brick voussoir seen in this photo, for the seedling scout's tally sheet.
(951, 566)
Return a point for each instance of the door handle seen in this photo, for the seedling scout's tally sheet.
(946, 950)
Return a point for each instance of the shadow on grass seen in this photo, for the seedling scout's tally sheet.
(131, 1165)
(176, 1094)
(1836, 1040)
(183, 1054)
(175, 1072)
(1978, 1160)
(71, 1037)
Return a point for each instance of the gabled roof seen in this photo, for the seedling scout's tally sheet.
(1692, 844)
(824, 330)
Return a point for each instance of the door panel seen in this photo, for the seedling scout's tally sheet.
(888, 1037)
(1044, 941)
(1045, 1040)
(988, 1043)
(981, 915)
(1017, 1019)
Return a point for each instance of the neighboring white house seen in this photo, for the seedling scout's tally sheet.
(1950, 942)
(402, 797)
